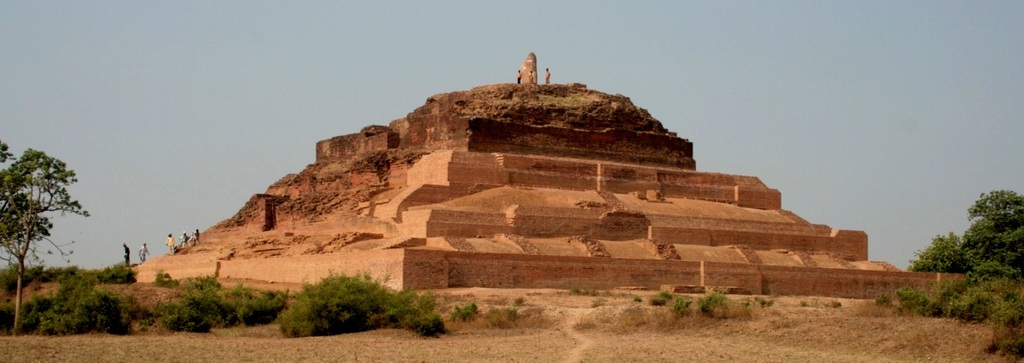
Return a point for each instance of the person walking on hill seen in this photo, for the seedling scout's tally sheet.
(143, 252)
(127, 255)
(170, 242)
(547, 76)
(519, 77)
(195, 237)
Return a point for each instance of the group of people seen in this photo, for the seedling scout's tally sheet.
(185, 240)
(532, 77)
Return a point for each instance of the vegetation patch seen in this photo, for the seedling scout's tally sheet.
(342, 304)
(998, 303)
(466, 312)
(78, 307)
(205, 305)
(662, 298)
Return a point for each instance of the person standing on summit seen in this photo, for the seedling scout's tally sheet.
(170, 242)
(127, 255)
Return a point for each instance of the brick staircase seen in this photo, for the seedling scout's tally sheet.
(666, 251)
(749, 254)
(524, 244)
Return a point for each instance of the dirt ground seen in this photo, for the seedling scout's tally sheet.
(557, 326)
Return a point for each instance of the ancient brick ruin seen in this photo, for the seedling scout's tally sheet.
(530, 186)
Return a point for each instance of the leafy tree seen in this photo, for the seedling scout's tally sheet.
(32, 189)
(946, 254)
(997, 229)
(992, 246)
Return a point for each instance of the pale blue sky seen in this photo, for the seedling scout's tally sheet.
(890, 117)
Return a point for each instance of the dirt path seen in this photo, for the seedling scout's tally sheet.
(568, 326)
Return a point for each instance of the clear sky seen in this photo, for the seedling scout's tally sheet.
(890, 117)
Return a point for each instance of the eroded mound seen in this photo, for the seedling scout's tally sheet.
(571, 106)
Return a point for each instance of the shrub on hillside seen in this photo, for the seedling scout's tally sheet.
(116, 274)
(78, 307)
(466, 312)
(164, 279)
(914, 301)
(342, 304)
(712, 302)
(253, 307)
(201, 307)
(681, 306)
(662, 298)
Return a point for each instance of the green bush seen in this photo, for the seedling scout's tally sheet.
(711, 302)
(681, 306)
(992, 271)
(662, 298)
(164, 279)
(466, 312)
(201, 307)
(883, 300)
(975, 305)
(116, 274)
(914, 301)
(342, 304)
(256, 307)
(78, 307)
(184, 316)
(1009, 341)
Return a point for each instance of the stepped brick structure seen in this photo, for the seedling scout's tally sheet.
(530, 186)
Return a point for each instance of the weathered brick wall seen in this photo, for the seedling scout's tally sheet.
(534, 271)
(439, 269)
(428, 128)
(343, 147)
(466, 224)
(613, 145)
(851, 245)
(476, 168)
(759, 198)
(384, 265)
(541, 221)
(424, 223)
(840, 283)
(560, 173)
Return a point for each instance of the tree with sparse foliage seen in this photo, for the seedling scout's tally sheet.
(992, 245)
(32, 189)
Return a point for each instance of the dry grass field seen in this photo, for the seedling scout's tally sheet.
(558, 326)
